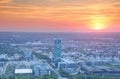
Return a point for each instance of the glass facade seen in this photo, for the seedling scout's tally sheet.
(57, 50)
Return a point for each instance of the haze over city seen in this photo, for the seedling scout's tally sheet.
(59, 39)
(60, 15)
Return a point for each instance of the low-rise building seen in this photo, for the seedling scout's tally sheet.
(67, 65)
(3, 57)
(23, 69)
(2, 64)
(41, 69)
(27, 54)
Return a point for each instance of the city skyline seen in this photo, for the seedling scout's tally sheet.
(60, 15)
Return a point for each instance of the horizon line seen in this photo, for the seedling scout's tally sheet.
(54, 32)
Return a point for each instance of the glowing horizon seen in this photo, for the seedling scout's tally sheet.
(60, 15)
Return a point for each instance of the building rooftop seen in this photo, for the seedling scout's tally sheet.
(23, 71)
(41, 66)
(68, 60)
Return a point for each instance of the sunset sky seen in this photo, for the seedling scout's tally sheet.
(60, 15)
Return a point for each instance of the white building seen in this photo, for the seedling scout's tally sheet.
(23, 71)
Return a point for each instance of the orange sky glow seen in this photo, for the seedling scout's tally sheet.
(60, 15)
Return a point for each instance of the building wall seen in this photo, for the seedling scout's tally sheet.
(57, 50)
(41, 70)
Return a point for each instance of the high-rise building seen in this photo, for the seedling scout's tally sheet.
(57, 50)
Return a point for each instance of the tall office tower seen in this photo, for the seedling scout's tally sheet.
(57, 50)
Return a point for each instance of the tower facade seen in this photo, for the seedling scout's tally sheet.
(57, 50)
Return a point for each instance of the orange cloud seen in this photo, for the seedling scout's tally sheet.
(4, 1)
(72, 11)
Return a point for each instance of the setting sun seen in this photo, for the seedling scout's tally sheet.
(98, 22)
(98, 28)
(98, 25)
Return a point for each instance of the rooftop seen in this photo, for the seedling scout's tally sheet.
(23, 71)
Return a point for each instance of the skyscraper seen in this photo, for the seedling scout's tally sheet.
(57, 50)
